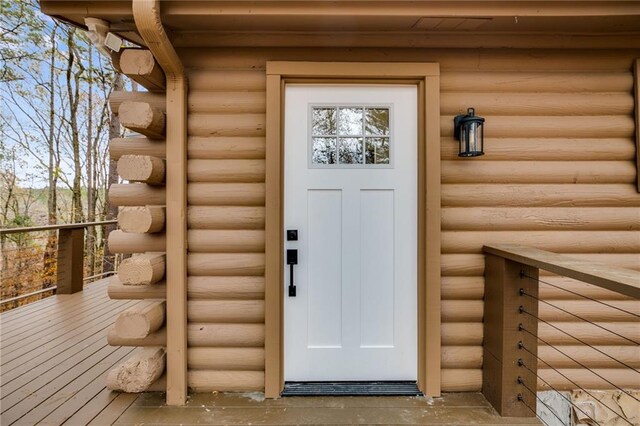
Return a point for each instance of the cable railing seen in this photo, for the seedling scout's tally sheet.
(531, 339)
(40, 261)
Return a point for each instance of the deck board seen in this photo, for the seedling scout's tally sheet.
(45, 324)
(43, 332)
(112, 412)
(66, 336)
(58, 355)
(52, 303)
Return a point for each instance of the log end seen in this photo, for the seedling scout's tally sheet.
(143, 269)
(140, 321)
(141, 168)
(147, 219)
(139, 372)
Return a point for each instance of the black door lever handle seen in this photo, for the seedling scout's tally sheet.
(292, 259)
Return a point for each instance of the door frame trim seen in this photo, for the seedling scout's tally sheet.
(426, 77)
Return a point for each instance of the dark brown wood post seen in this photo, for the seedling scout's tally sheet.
(509, 351)
(70, 260)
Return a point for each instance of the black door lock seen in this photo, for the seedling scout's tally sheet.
(292, 259)
(292, 235)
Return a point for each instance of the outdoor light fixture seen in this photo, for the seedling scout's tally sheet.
(469, 131)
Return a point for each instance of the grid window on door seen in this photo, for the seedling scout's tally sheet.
(350, 135)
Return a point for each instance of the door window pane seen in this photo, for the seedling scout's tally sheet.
(350, 121)
(324, 151)
(324, 121)
(350, 150)
(377, 150)
(350, 135)
(377, 121)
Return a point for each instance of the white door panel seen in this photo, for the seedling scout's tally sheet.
(355, 313)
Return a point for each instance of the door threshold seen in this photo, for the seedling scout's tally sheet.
(391, 388)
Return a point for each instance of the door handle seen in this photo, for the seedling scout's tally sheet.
(292, 259)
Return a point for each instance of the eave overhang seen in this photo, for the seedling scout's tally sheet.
(465, 23)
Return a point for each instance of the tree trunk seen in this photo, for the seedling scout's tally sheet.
(52, 194)
(73, 90)
(111, 212)
(91, 206)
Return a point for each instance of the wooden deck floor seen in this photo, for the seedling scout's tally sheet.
(54, 357)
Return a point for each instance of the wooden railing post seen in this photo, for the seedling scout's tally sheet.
(70, 260)
(509, 351)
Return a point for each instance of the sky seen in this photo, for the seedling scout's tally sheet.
(28, 107)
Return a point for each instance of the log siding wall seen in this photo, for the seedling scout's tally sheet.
(558, 174)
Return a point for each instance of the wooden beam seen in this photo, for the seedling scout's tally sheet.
(226, 358)
(417, 38)
(136, 194)
(140, 66)
(146, 220)
(225, 288)
(503, 336)
(624, 281)
(139, 372)
(636, 79)
(147, 17)
(143, 269)
(140, 320)
(117, 97)
(70, 267)
(118, 291)
(123, 242)
(226, 311)
(143, 118)
(226, 217)
(136, 146)
(226, 335)
(115, 61)
(225, 381)
(141, 168)
(273, 235)
(430, 239)
(206, 241)
(159, 338)
(188, 12)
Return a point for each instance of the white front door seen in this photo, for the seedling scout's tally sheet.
(351, 193)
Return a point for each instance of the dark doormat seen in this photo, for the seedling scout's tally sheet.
(351, 389)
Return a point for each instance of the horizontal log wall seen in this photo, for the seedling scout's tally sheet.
(558, 174)
(226, 218)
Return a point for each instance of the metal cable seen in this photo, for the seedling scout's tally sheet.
(573, 383)
(521, 382)
(524, 293)
(522, 364)
(524, 311)
(580, 295)
(580, 364)
(521, 399)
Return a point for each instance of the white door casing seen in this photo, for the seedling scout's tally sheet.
(355, 313)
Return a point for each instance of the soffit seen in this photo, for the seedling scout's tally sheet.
(420, 17)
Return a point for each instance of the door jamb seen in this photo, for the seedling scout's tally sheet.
(426, 77)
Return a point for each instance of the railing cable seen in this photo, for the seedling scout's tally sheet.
(580, 364)
(524, 311)
(523, 274)
(522, 364)
(521, 346)
(521, 399)
(521, 382)
(524, 293)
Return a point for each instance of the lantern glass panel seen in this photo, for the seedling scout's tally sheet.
(471, 137)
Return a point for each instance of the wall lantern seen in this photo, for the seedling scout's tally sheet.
(469, 130)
